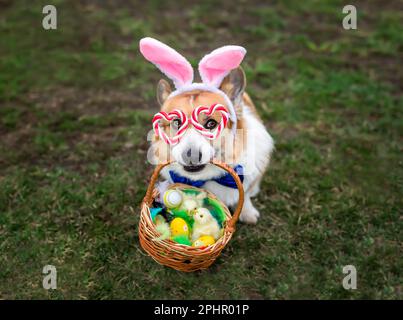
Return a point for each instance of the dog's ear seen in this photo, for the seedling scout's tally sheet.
(163, 91)
(234, 85)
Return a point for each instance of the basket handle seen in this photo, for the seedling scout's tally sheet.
(148, 199)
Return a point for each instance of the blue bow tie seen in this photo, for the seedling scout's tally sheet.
(226, 180)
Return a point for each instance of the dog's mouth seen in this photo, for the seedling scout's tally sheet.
(194, 168)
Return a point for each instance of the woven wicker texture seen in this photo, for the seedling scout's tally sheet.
(178, 256)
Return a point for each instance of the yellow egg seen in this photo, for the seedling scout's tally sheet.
(179, 227)
(204, 241)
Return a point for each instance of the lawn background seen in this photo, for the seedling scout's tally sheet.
(75, 107)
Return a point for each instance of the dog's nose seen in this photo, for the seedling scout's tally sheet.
(192, 156)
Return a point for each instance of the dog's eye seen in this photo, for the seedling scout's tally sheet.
(176, 123)
(210, 124)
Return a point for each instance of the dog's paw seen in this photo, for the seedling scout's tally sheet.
(249, 215)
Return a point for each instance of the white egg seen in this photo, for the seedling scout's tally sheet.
(172, 198)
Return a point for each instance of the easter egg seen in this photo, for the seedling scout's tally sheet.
(204, 241)
(179, 227)
(172, 199)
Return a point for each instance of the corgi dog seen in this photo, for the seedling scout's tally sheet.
(211, 119)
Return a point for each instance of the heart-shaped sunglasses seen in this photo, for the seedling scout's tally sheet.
(185, 122)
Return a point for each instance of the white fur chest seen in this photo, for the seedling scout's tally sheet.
(254, 160)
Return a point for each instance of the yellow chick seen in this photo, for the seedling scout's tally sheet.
(179, 227)
(162, 228)
(190, 201)
(205, 225)
(204, 241)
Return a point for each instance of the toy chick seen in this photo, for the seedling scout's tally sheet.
(162, 228)
(191, 202)
(204, 225)
(175, 199)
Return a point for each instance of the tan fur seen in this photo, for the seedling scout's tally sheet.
(188, 101)
(249, 103)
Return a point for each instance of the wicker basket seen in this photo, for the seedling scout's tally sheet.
(178, 256)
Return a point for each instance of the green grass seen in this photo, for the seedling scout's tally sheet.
(75, 107)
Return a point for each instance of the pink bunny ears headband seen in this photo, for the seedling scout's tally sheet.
(212, 68)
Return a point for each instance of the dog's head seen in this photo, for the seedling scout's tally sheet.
(194, 151)
(223, 83)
